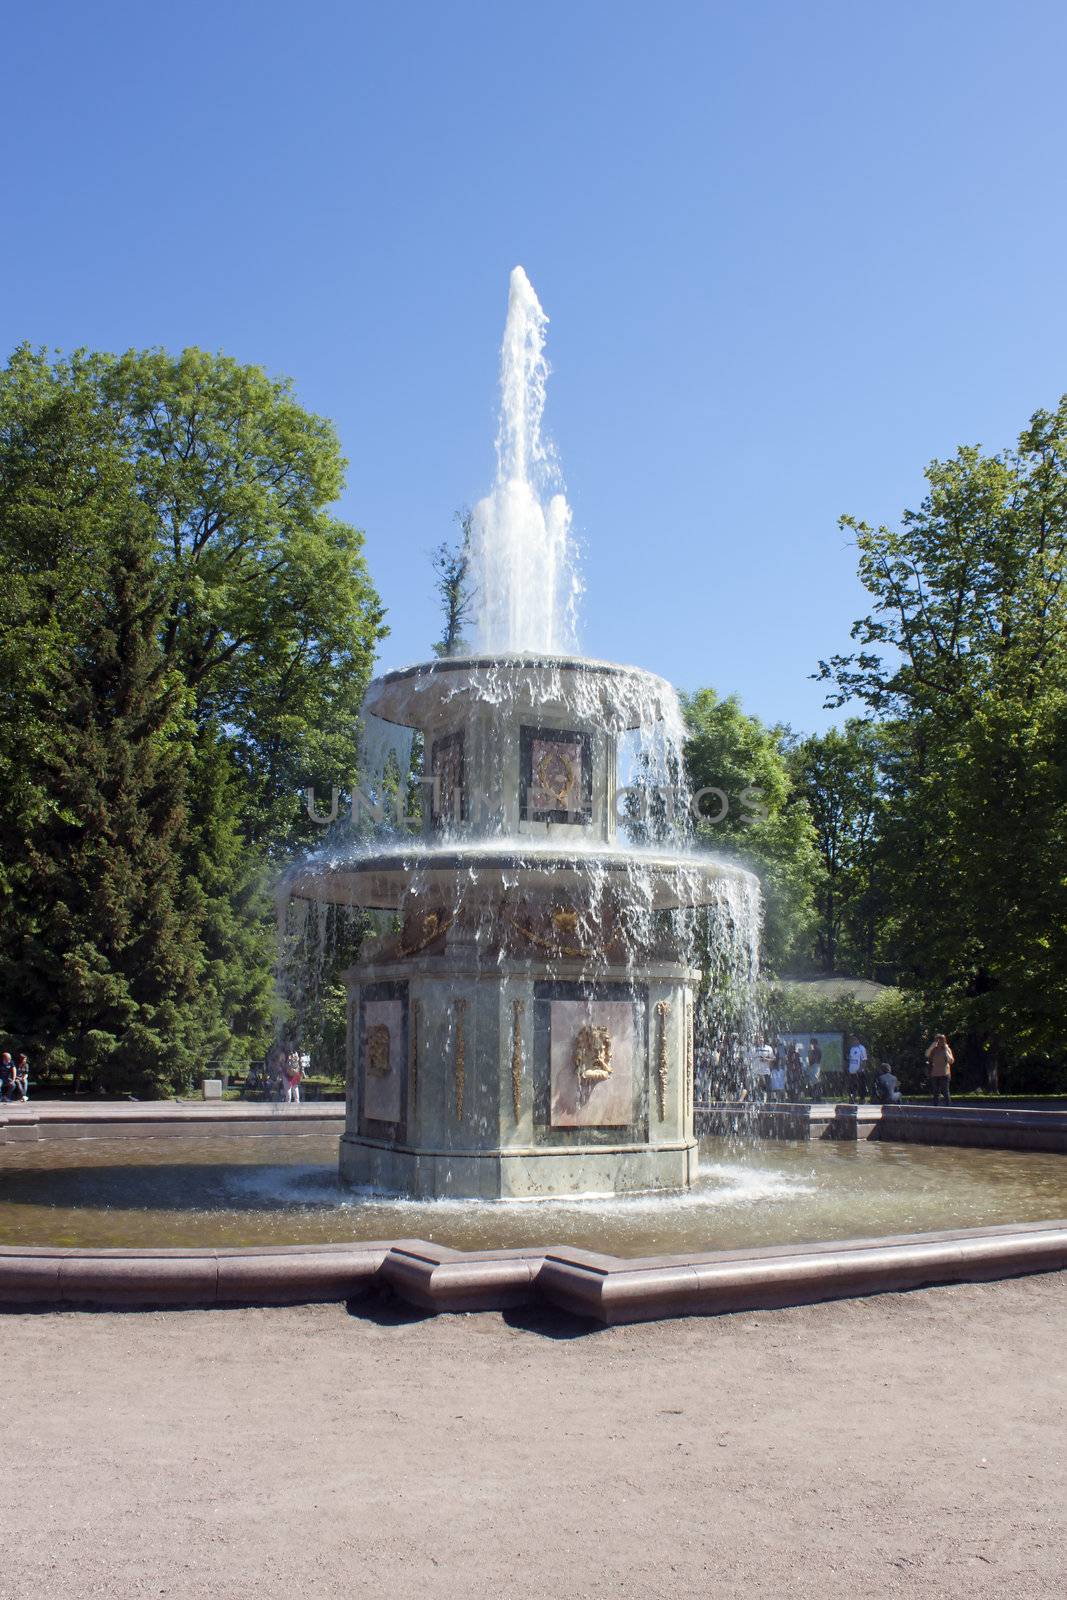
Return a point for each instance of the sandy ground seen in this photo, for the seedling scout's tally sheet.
(905, 1445)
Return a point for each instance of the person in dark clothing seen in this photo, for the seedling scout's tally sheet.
(794, 1073)
(886, 1087)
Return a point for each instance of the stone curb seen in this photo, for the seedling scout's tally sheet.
(607, 1289)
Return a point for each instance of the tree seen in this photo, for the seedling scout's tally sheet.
(754, 815)
(964, 657)
(107, 922)
(451, 565)
(839, 775)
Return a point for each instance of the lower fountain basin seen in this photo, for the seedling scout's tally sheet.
(381, 880)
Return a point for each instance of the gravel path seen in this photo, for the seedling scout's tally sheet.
(906, 1445)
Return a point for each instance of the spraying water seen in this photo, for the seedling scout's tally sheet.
(523, 571)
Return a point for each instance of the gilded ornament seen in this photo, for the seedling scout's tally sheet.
(555, 774)
(663, 1011)
(461, 1058)
(690, 1054)
(517, 1010)
(592, 1055)
(563, 939)
(432, 926)
(378, 1053)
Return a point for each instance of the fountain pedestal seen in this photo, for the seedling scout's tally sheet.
(524, 1082)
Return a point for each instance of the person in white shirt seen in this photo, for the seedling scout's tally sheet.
(760, 1059)
(857, 1073)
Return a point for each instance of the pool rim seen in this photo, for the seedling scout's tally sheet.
(604, 1288)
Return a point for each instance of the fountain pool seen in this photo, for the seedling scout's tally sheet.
(252, 1190)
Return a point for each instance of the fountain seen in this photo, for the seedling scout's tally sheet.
(520, 1025)
(523, 1023)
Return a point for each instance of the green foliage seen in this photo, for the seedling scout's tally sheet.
(839, 775)
(895, 1026)
(451, 566)
(186, 632)
(964, 657)
(270, 616)
(762, 822)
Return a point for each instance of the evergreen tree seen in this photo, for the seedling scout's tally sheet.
(111, 969)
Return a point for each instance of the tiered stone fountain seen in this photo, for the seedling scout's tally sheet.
(526, 1027)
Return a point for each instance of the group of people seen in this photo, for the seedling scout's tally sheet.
(790, 1071)
(14, 1076)
(787, 1070)
(885, 1089)
(281, 1074)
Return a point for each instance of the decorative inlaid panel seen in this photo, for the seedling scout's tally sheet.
(591, 1055)
(557, 776)
(448, 800)
(383, 1059)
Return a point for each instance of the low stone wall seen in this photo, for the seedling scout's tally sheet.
(1009, 1128)
(71, 1119)
(605, 1289)
(746, 1120)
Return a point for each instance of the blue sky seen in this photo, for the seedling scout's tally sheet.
(790, 253)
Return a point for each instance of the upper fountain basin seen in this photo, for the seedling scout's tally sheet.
(603, 693)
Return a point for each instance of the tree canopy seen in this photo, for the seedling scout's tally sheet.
(963, 660)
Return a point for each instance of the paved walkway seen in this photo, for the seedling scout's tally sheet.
(908, 1447)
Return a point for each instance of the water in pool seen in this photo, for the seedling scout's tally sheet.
(262, 1188)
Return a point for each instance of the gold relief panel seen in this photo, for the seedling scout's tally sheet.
(663, 1012)
(591, 1063)
(378, 1050)
(518, 1008)
(382, 1059)
(556, 768)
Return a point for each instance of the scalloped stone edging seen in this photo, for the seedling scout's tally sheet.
(607, 1289)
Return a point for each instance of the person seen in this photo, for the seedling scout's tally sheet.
(794, 1072)
(886, 1091)
(762, 1061)
(293, 1072)
(813, 1070)
(276, 1061)
(22, 1076)
(857, 1072)
(777, 1079)
(257, 1080)
(939, 1060)
(7, 1076)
